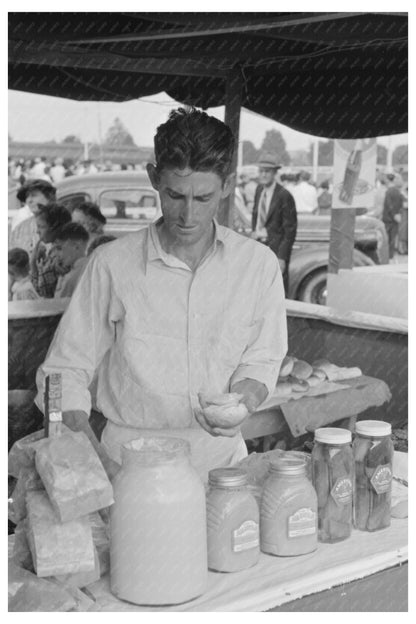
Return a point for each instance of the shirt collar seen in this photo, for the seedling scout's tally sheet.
(269, 190)
(154, 250)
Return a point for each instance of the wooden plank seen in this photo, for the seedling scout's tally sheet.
(306, 414)
(234, 89)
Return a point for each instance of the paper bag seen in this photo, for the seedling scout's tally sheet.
(21, 551)
(27, 481)
(29, 593)
(57, 548)
(73, 475)
(22, 453)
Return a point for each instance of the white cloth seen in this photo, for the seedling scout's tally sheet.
(275, 581)
(306, 197)
(159, 333)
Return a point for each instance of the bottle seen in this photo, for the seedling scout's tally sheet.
(158, 537)
(373, 455)
(352, 173)
(288, 515)
(333, 479)
(232, 522)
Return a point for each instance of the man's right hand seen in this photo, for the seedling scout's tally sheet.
(77, 420)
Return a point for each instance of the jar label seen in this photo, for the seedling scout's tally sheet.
(302, 522)
(381, 479)
(246, 536)
(342, 491)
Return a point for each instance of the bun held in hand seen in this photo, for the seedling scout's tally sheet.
(225, 416)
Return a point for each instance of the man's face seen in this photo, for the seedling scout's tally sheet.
(34, 198)
(189, 201)
(67, 252)
(43, 230)
(266, 175)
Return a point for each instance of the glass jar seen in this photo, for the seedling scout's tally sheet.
(288, 515)
(232, 521)
(373, 454)
(333, 479)
(158, 537)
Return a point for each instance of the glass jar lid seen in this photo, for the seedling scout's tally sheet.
(227, 477)
(373, 428)
(289, 466)
(333, 435)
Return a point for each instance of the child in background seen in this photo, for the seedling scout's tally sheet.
(71, 246)
(20, 285)
(44, 268)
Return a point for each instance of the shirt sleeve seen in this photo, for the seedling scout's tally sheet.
(267, 344)
(85, 334)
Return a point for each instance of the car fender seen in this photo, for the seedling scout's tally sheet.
(307, 260)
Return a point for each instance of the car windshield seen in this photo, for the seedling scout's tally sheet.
(129, 204)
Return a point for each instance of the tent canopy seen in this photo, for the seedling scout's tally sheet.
(328, 74)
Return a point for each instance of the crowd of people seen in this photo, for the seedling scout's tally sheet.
(390, 202)
(56, 169)
(48, 246)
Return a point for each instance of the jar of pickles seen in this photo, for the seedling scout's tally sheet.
(232, 522)
(333, 479)
(373, 454)
(288, 516)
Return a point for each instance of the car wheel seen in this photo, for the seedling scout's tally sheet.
(313, 288)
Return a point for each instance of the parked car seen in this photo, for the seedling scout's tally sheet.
(129, 202)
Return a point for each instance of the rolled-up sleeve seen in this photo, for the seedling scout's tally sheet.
(267, 344)
(84, 335)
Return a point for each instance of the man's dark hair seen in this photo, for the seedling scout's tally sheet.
(74, 232)
(55, 216)
(100, 240)
(19, 260)
(191, 138)
(89, 209)
(43, 186)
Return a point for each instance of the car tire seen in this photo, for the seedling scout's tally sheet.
(313, 288)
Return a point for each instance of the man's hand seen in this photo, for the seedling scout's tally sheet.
(282, 264)
(77, 420)
(397, 218)
(221, 414)
(228, 432)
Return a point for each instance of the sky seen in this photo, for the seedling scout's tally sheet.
(34, 117)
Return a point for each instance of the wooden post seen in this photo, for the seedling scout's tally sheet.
(234, 87)
(341, 244)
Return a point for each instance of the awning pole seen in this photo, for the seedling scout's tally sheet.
(233, 97)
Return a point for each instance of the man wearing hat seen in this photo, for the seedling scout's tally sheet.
(274, 220)
(24, 233)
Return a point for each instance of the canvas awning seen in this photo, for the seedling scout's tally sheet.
(327, 74)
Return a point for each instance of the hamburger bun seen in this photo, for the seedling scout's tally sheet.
(301, 370)
(287, 366)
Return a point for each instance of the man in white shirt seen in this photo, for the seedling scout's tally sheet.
(57, 172)
(305, 194)
(182, 307)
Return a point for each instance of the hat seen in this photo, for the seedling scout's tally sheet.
(269, 160)
(34, 185)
